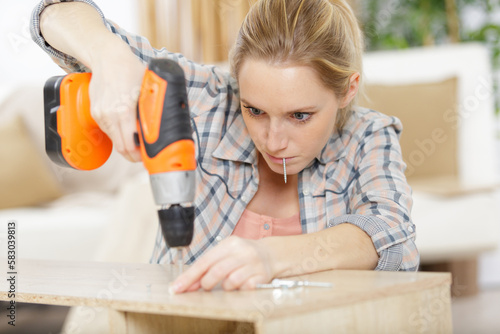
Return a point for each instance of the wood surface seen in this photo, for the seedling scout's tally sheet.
(139, 293)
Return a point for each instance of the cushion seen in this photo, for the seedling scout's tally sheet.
(474, 121)
(24, 178)
(428, 112)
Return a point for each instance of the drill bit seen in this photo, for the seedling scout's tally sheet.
(180, 261)
(284, 168)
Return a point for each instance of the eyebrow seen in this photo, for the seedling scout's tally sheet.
(303, 109)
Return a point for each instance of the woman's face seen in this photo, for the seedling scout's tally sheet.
(288, 112)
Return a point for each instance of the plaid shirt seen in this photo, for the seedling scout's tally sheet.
(358, 178)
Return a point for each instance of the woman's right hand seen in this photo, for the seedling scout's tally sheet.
(114, 92)
(78, 30)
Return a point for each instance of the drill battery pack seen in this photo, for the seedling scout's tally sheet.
(72, 137)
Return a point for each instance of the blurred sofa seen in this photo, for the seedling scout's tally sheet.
(444, 97)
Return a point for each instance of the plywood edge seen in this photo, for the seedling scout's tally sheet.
(185, 311)
(134, 306)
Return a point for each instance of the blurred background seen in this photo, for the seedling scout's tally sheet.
(434, 64)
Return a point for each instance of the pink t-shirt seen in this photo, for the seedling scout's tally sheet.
(255, 226)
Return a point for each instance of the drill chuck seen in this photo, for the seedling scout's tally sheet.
(177, 225)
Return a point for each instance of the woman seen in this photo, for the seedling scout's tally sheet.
(292, 178)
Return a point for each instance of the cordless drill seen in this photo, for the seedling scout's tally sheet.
(164, 135)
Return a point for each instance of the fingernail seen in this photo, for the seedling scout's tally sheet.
(174, 288)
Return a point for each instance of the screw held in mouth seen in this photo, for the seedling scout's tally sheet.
(284, 168)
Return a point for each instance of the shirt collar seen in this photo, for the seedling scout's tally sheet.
(335, 148)
(236, 144)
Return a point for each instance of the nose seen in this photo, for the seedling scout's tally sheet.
(277, 139)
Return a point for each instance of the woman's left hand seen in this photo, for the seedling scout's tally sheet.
(236, 263)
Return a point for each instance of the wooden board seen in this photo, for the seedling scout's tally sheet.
(139, 291)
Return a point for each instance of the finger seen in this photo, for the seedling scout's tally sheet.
(237, 278)
(204, 263)
(196, 271)
(118, 139)
(109, 126)
(251, 282)
(219, 272)
(127, 121)
(194, 287)
(126, 145)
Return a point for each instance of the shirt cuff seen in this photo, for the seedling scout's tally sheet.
(388, 241)
(68, 63)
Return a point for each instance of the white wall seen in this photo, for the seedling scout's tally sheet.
(21, 60)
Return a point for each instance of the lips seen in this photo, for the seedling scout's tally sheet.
(277, 160)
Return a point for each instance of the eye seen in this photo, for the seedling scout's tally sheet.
(254, 112)
(302, 116)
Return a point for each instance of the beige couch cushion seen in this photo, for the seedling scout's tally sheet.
(24, 177)
(428, 112)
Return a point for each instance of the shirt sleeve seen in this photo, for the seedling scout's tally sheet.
(381, 201)
(66, 62)
(139, 45)
(204, 83)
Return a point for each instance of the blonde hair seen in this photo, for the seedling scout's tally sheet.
(322, 34)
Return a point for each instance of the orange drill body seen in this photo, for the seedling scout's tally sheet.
(176, 156)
